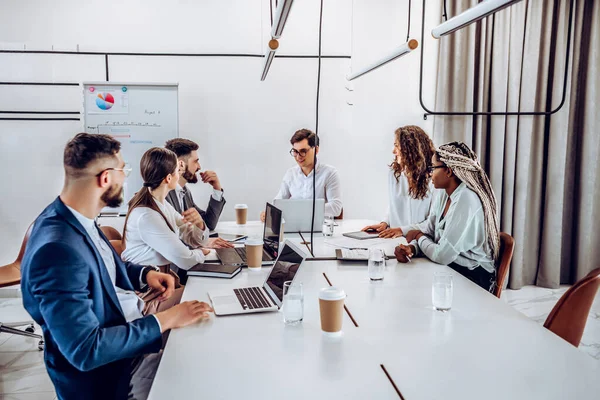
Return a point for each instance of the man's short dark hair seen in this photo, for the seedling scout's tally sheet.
(86, 148)
(313, 139)
(181, 147)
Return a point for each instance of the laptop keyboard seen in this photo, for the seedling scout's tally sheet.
(251, 298)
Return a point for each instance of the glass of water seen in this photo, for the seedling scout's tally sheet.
(441, 291)
(328, 225)
(293, 303)
(376, 264)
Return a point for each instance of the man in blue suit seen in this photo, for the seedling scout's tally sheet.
(82, 295)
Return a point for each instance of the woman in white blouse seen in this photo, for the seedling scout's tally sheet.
(462, 229)
(154, 232)
(409, 185)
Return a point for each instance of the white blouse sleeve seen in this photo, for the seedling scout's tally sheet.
(284, 189)
(333, 190)
(386, 219)
(428, 225)
(156, 234)
(188, 233)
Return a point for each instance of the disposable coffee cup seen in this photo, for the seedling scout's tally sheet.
(241, 213)
(331, 305)
(254, 253)
(282, 230)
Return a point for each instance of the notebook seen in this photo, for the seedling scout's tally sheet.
(355, 255)
(352, 254)
(214, 270)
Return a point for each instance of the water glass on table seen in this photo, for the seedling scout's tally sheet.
(376, 264)
(293, 303)
(328, 225)
(442, 291)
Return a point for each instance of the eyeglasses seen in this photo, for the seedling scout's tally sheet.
(302, 152)
(432, 167)
(126, 170)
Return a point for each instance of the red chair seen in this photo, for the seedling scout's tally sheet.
(507, 246)
(569, 316)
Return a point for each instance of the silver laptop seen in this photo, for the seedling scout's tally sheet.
(269, 297)
(297, 213)
(237, 255)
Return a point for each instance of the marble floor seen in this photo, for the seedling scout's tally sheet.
(23, 375)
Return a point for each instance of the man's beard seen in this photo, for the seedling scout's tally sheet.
(113, 196)
(188, 176)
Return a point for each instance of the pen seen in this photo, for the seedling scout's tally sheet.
(358, 248)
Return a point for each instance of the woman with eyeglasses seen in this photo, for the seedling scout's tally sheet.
(409, 183)
(462, 230)
(298, 181)
(154, 233)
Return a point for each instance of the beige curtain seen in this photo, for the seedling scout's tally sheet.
(544, 170)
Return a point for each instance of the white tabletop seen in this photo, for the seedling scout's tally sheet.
(481, 349)
(257, 356)
(324, 247)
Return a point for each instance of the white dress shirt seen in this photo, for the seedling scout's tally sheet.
(402, 208)
(460, 237)
(296, 185)
(131, 304)
(149, 241)
(216, 194)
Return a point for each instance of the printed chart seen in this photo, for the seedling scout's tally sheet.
(105, 101)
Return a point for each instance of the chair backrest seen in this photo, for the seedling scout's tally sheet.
(11, 274)
(24, 245)
(507, 246)
(118, 246)
(569, 316)
(111, 233)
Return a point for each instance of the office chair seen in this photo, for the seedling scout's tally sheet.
(10, 274)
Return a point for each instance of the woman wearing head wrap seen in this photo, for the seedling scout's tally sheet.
(462, 228)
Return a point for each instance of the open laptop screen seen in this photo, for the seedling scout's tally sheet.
(285, 269)
(272, 229)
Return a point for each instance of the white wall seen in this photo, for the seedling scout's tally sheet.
(242, 125)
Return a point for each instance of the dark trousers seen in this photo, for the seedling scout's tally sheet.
(478, 275)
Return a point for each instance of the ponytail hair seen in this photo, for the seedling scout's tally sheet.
(155, 165)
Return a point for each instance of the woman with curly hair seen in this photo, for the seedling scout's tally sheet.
(462, 230)
(409, 186)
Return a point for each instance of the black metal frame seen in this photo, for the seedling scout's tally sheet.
(106, 54)
(503, 113)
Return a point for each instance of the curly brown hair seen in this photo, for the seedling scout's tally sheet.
(416, 150)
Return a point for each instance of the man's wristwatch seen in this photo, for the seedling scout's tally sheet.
(146, 270)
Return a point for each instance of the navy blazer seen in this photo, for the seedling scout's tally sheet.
(68, 292)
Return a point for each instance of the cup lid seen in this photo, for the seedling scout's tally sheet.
(254, 242)
(241, 206)
(332, 293)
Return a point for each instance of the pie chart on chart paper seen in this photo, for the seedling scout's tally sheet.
(105, 101)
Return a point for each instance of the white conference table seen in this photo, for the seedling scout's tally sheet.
(481, 349)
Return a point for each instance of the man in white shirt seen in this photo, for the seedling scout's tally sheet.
(181, 199)
(298, 181)
(82, 295)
